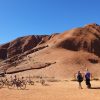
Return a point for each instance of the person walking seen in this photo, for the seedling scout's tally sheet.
(79, 79)
(88, 78)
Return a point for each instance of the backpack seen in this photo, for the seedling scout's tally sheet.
(79, 78)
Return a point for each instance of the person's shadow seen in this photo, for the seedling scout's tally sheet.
(95, 88)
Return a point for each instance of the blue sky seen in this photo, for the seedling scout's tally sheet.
(25, 17)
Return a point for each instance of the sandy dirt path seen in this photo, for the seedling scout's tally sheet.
(53, 91)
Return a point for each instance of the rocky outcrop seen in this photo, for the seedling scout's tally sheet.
(25, 68)
(86, 38)
(20, 45)
(73, 50)
(23, 44)
(3, 53)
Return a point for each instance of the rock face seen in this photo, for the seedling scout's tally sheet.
(72, 50)
(86, 39)
(3, 53)
(21, 45)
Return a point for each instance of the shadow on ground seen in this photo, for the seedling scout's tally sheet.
(95, 88)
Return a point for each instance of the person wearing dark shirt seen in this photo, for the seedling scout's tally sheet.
(79, 79)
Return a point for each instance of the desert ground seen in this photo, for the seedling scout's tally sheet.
(61, 90)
